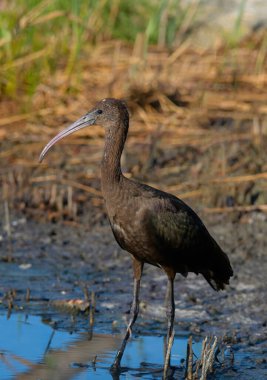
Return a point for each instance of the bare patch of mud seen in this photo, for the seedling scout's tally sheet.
(56, 261)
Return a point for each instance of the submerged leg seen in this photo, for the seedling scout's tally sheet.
(138, 268)
(170, 312)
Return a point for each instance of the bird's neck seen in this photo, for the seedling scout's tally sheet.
(111, 166)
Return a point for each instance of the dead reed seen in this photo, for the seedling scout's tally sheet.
(200, 368)
(198, 130)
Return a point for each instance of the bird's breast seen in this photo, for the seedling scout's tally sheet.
(127, 210)
(130, 231)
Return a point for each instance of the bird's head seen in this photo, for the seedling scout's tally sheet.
(109, 113)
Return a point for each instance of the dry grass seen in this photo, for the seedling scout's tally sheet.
(200, 368)
(198, 129)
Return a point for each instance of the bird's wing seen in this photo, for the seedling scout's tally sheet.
(186, 243)
(176, 225)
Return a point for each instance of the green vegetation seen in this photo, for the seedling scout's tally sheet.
(234, 36)
(37, 37)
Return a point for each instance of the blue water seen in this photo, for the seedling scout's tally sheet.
(31, 349)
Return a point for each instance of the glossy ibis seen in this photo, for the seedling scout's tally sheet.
(153, 226)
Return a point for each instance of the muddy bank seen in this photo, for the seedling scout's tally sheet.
(56, 261)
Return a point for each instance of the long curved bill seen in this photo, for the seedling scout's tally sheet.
(84, 121)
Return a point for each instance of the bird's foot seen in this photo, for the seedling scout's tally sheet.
(168, 373)
(116, 366)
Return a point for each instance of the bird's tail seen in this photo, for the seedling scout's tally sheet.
(219, 273)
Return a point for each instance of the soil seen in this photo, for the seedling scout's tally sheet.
(57, 261)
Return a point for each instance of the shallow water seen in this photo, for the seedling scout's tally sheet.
(31, 349)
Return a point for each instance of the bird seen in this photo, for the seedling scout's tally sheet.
(155, 227)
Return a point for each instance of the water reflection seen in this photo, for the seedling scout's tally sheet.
(33, 350)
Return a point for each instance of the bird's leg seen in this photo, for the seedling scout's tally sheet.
(170, 312)
(138, 268)
(167, 296)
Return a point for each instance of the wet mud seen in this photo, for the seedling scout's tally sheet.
(45, 262)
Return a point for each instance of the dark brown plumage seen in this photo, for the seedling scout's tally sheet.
(155, 227)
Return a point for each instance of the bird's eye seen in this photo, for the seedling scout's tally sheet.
(99, 112)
